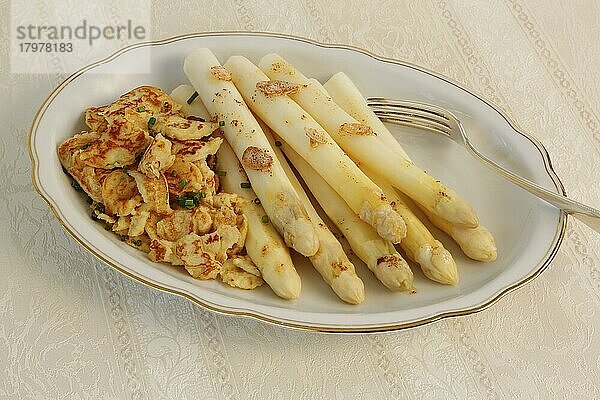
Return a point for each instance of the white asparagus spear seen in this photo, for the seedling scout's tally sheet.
(378, 254)
(330, 261)
(361, 143)
(477, 243)
(263, 244)
(245, 136)
(419, 244)
(309, 139)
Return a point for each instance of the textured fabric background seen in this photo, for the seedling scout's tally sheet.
(72, 328)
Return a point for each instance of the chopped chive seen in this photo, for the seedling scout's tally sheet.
(85, 146)
(151, 122)
(75, 185)
(173, 173)
(221, 173)
(100, 207)
(141, 108)
(106, 228)
(192, 97)
(221, 123)
(137, 242)
(245, 185)
(265, 219)
(278, 143)
(125, 168)
(183, 184)
(189, 203)
(257, 201)
(191, 200)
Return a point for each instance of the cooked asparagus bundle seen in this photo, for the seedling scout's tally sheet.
(419, 244)
(214, 87)
(477, 243)
(378, 254)
(263, 244)
(330, 261)
(362, 144)
(269, 101)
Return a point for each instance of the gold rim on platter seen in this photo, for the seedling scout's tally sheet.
(547, 259)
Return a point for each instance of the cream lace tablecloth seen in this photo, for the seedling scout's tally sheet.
(72, 328)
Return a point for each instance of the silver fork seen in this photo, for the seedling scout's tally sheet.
(442, 121)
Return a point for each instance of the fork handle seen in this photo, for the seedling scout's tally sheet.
(586, 214)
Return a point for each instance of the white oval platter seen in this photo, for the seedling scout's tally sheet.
(528, 232)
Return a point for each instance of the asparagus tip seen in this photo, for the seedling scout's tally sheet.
(289, 286)
(349, 287)
(437, 264)
(300, 235)
(387, 222)
(477, 243)
(393, 271)
(451, 207)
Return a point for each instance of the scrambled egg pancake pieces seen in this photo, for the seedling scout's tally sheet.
(120, 193)
(157, 157)
(148, 171)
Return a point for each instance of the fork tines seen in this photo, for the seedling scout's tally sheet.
(412, 114)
